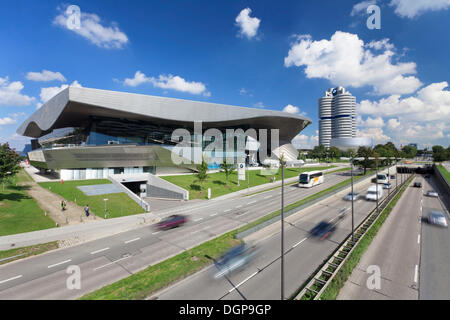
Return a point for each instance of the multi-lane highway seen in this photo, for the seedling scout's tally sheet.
(412, 255)
(261, 278)
(109, 259)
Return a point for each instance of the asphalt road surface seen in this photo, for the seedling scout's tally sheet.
(260, 279)
(109, 259)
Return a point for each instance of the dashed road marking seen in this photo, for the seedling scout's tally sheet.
(11, 279)
(156, 232)
(228, 210)
(100, 250)
(243, 281)
(59, 263)
(214, 214)
(198, 219)
(105, 265)
(132, 240)
(299, 242)
(267, 197)
(418, 239)
(416, 273)
(251, 202)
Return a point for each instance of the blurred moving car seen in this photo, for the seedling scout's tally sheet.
(417, 185)
(437, 218)
(387, 186)
(431, 193)
(234, 259)
(171, 222)
(374, 192)
(322, 230)
(348, 197)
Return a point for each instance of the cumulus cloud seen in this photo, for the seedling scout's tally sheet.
(413, 8)
(373, 122)
(376, 134)
(362, 6)
(7, 120)
(10, 93)
(248, 26)
(49, 92)
(345, 60)
(303, 141)
(91, 28)
(168, 82)
(45, 75)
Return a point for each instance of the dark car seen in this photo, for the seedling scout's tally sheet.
(171, 222)
(417, 185)
(234, 259)
(322, 230)
(392, 176)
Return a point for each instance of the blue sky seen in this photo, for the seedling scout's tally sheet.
(265, 54)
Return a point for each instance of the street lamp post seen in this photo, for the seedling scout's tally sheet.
(106, 213)
(353, 208)
(376, 178)
(282, 228)
(248, 173)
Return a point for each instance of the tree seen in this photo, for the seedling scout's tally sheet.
(409, 151)
(439, 153)
(366, 153)
(202, 169)
(226, 167)
(9, 163)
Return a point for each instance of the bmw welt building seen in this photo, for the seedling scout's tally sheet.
(85, 133)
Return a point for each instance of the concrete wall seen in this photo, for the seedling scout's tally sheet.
(160, 188)
(444, 186)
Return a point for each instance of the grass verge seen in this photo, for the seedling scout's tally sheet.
(220, 185)
(332, 291)
(118, 204)
(19, 212)
(143, 283)
(21, 253)
(444, 172)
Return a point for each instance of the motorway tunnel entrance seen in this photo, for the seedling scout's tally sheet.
(415, 169)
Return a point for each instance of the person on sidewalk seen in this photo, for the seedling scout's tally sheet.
(86, 209)
(62, 205)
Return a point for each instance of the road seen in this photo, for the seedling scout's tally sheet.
(261, 278)
(413, 256)
(112, 258)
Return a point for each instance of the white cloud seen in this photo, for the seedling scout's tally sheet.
(430, 103)
(413, 8)
(361, 6)
(248, 25)
(393, 124)
(376, 134)
(168, 82)
(16, 141)
(346, 61)
(49, 92)
(10, 93)
(45, 75)
(303, 141)
(373, 122)
(259, 105)
(7, 120)
(291, 109)
(91, 28)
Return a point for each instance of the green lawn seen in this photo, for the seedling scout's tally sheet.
(18, 211)
(444, 172)
(220, 186)
(118, 204)
(21, 253)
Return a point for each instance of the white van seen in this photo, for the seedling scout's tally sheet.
(382, 178)
(372, 192)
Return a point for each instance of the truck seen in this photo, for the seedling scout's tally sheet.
(372, 192)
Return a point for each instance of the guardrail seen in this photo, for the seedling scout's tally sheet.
(326, 272)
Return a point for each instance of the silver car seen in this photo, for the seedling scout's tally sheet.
(431, 193)
(437, 218)
(387, 186)
(348, 197)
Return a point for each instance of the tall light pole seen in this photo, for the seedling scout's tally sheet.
(353, 196)
(376, 178)
(282, 163)
(248, 173)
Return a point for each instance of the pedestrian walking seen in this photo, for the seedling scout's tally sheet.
(86, 209)
(62, 205)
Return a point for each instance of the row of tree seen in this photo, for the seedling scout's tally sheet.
(9, 163)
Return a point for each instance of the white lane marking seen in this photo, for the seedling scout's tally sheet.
(59, 263)
(416, 273)
(214, 214)
(228, 210)
(418, 239)
(239, 207)
(105, 265)
(100, 250)
(267, 197)
(251, 202)
(156, 232)
(132, 240)
(299, 242)
(198, 219)
(242, 282)
(11, 279)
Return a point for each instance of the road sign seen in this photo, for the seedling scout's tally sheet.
(241, 171)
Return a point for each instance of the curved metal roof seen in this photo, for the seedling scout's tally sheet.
(73, 106)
